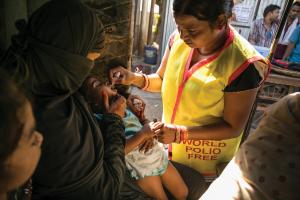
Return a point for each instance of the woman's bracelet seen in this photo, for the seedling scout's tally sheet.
(182, 133)
(176, 135)
(146, 81)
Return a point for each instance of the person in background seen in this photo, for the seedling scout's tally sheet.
(292, 52)
(267, 166)
(51, 56)
(263, 30)
(20, 143)
(289, 27)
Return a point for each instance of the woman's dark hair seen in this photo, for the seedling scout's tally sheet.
(12, 103)
(208, 10)
(270, 8)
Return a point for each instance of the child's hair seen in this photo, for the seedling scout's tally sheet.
(12, 103)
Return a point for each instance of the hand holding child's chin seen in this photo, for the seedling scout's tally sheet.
(117, 106)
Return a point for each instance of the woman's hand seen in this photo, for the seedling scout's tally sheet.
(117, 107)
(137, 106)
(120, 75)
(151, 129)
(167, 134)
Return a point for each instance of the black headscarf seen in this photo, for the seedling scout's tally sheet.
(54, 46)
(49, 55)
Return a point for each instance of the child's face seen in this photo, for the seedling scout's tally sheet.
(22, 162)
(137, 106)
(100, 95)
(96, 89)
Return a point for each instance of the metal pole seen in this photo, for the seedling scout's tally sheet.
(256, 9)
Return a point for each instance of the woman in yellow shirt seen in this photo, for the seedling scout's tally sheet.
(209, 77)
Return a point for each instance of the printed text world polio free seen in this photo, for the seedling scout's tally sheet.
(203, 149)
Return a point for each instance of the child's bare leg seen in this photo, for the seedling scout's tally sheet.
(153, 187)
(172, 180)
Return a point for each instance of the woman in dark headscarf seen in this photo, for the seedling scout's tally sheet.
(52, 56)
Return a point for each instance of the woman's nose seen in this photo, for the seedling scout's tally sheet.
(183, 34)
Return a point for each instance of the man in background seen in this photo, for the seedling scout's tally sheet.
(263, 30)
(292, 53)
(289, 27)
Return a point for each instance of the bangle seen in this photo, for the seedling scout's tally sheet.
(146, 81)
(183, 133)
(176, 134)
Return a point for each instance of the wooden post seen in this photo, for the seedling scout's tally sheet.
(137, 24)
(143, 28)
(160, 34)
(151, 16)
